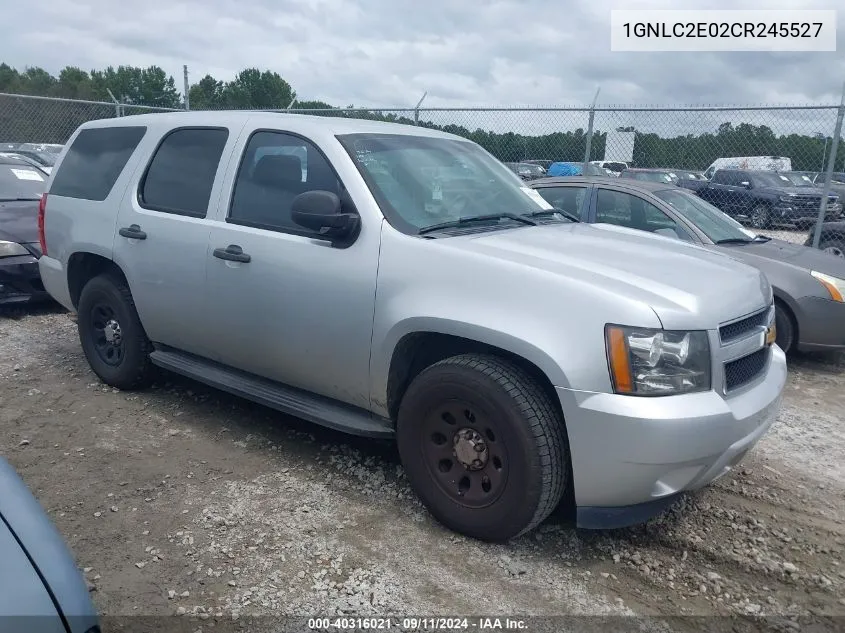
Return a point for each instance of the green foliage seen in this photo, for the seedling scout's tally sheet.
(251, 88)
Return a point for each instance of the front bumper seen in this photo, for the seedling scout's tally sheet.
(20, 281)
(631, 456)
(821, 324)
(789, 213)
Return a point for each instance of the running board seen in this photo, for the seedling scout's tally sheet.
(296, 402)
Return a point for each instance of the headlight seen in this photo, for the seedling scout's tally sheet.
(10, 249)
(648, 362)
(834, 285)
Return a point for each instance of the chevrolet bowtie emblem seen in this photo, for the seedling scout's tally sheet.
(771, 334)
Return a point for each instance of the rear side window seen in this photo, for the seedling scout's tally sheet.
(181, 174)
(94, 162)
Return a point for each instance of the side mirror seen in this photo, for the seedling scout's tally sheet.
(745, 184)
(320, 211)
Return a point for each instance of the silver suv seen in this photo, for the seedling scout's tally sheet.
(399, 282)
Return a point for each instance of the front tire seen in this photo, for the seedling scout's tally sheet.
(483, 446)
(785, 328)
(112, 337)
(760, 217)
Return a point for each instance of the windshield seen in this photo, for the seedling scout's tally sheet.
(421, 181)
(799, 180)
(21, 182)
(709, 220)
(771, 179)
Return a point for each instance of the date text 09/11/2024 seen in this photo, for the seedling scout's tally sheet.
(415, 624)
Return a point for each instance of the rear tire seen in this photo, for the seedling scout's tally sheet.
(483, 446)
(785, 328)
(760, 217)
(112, 337)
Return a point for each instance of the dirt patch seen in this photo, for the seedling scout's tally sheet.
(181, 499)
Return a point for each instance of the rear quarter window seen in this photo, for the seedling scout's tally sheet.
(94, 162)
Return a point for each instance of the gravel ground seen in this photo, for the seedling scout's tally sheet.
(183, 500)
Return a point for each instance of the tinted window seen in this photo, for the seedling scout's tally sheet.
(181, 173)
(276, 168)
(20, 181)
(623, 209)
(720, 177)
(566, 198)
(94, 162)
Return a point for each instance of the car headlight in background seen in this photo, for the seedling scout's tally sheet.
(10, 249)
(834, 285)
(649, 362)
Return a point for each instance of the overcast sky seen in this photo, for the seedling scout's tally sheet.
(388, 52)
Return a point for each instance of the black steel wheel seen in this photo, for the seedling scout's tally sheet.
(483, 446)
(111, 333)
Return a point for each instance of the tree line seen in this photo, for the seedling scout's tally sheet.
(54, 121)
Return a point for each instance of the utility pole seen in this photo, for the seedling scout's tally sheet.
(187, 96)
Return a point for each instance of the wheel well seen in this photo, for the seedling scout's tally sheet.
(82, 267)
(419, 350)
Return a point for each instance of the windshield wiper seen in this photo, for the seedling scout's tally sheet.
(735, 240)
(476, 218)
(555, 211)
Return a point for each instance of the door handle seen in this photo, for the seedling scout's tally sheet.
(133, 232)
(232, 253)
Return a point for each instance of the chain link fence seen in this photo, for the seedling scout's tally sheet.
(769, 167)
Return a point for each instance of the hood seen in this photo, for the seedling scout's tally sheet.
(23, 518)
(19, 221)
(796, 255)
(806, 192)
(687, 286)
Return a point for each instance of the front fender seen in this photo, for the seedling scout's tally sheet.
(480, 333)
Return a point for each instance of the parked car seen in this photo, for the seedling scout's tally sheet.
(808, 285)
(753, 163)
(816, 179)
(574, 169)
(526, 171)
(52, 148)
(766, 198)
(27, 160)
(369, 298)
(613, 167)
(43, 589)
(692, 180)
(21, 187)
(545, 164)
(45, 160)
(832, 239)
(650, 175)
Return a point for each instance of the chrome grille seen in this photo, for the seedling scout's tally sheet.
(738, 329)
(743, 370)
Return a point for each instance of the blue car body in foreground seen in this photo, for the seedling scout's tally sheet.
(41, 588)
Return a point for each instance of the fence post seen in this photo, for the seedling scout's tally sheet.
(116, 102)
(187, 87)
(417, 109)
(828, 175)
(590, 132)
